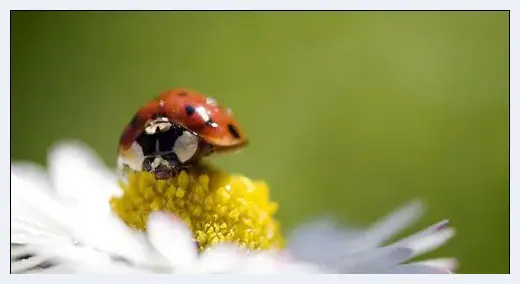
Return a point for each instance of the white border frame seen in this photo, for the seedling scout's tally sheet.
(263, 5)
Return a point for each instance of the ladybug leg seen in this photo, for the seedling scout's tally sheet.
(165, 174)
(147, 164)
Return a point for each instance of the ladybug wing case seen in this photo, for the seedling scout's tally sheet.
(201, 115)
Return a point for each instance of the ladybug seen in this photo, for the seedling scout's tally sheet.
(174, 131)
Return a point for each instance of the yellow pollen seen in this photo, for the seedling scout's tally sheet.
(218, 207)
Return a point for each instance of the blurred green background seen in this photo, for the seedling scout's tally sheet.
(350, 113)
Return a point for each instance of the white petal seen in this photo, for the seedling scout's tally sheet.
(172, 238)
(34, 211)
(19, 251)
(96, 249)
(81, 259)
(373, 261)
(416, 269)
(450, 264)
(56, 269)
(80, 177)
(111, 235)
(260, 264)
(27, 264)
(23, 232)
(428, 239)
(391, 225)
(268, 262)
(432, 242)
(320, 241)
(219, 259)
(324, 242)
(32, 173)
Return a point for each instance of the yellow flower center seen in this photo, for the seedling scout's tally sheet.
(217, 207)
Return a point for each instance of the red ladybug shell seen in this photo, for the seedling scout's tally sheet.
(194, 111)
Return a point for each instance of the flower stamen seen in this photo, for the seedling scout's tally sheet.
(217, 207)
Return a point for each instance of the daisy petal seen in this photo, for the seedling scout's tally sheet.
(392, 224)
(220, 258)
(324, 242)
(77, 258)
(80, 177)
(416, 269)
(34, 210)
(450, 264)
(20, 251)
(320, 241)
(27, 232)
(172, 238)
(32, 173)
(112, 236)
(373, 261)
(273, 261)
(428, 239)
(261, 264)
(56, 269)
(27, 264)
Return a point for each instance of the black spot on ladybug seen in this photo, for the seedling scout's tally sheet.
(189, 110)
(233, 130)
(183, 94)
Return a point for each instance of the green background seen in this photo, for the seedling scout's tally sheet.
(350, 113)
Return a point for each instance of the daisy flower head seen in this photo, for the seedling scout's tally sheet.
(216, 206)
(75, 217)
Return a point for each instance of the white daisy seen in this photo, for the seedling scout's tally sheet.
(64, 221)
